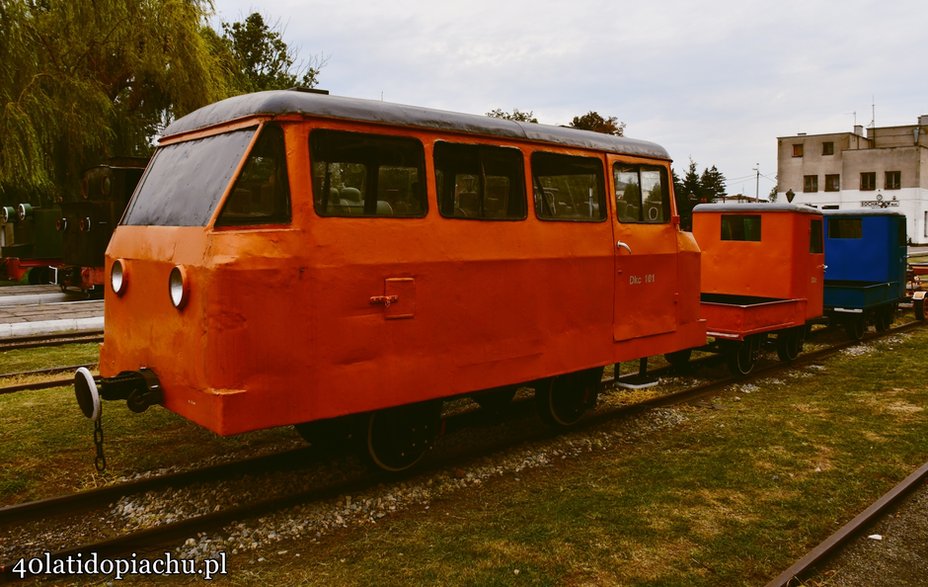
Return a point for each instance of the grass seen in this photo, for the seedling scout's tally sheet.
(732, 495)
(736, 494)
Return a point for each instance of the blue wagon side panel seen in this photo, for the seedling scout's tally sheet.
(865, 254)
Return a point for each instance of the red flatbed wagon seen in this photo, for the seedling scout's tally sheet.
(762, 274)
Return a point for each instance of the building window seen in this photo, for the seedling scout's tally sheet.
(797, 150)
(893, 180)
(828, 148)
(810, 183)
(868, 181)
(833, 183)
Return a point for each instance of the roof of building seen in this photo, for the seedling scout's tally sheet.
(282, 102)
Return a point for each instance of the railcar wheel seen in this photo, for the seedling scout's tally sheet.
(495, 400)
(397, 438)
(679, 359)
(789, 344)
(563, 400)
(855, 328)
(741, 361)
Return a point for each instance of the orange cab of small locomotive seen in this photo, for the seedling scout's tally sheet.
(308, 315)
(762, 250)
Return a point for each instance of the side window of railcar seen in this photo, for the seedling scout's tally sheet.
(568, 187)
(356, 174)
(641, 193)
(816, 242)
(741, 227)
(845, 228)
(261, 194)
(479, 182)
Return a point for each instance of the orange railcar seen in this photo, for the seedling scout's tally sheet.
(762, 273)
(298, 258)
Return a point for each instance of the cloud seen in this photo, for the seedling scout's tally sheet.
(718, 82)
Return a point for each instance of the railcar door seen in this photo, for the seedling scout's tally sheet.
(646, 288)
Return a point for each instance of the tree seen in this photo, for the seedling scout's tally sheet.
(262, 59)
(712, 183)
(87, 79)
(516, 115)
(772, 197)
(595, 122)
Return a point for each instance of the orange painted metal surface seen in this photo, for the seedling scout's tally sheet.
(324, 317)
(780, 274)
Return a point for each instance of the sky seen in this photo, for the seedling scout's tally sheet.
(715, 82)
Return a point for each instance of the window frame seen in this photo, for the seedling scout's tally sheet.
(892, 180)
(743, 228)
(828, 148)
(809, 181)
(640, 167)
(283, 183)
(868, 186)
(798, 150)
(371, 180)
(517, 191)
(538, 203)
(832, 182)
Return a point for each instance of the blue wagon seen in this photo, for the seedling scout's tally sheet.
(865, 258)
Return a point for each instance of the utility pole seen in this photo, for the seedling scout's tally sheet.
(757, 182)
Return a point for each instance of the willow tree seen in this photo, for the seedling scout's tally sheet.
(82, 80)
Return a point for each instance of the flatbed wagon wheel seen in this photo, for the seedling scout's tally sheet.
(789, 343)
(884, 318)
(855, 327)
(563, 400)
(397, 438)
(742, 358)
(679, 359)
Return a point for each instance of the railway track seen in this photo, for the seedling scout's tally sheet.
(50, 340)
(156, 538)
(44, 384)
(831, 546)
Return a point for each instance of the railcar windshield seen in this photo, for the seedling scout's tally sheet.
(185, 181)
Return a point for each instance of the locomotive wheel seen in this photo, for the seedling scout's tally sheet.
(789, 344)
(397, 438)
(330, 436)
(855, 328)
(495, 400)
(563, 400)
(679, 359)
(741, 361)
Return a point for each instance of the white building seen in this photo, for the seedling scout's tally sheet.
(887, 167)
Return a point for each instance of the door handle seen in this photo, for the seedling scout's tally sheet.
(621, 245)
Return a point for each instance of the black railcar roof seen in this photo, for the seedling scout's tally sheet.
(281, 102)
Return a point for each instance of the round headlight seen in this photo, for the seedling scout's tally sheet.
(118, 277)
(177, 287)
